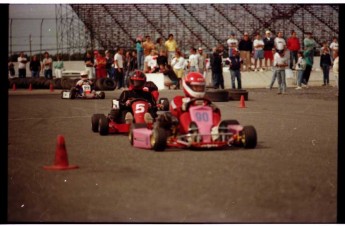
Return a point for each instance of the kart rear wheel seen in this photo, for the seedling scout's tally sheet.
(95, 122)
(101, 95)
(193, 131)
(73, 93)
(103, 125)
(165, 103)
(249, 137)
(158, 139)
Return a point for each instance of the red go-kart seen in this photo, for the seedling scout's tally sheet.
(198, 127)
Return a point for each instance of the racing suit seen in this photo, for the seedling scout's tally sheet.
(81, 82)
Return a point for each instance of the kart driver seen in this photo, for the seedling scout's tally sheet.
(83, 81)
(193, 87)
(137, 83)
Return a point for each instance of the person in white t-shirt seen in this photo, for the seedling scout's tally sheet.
(178, 64)
(150, 62)
(258, 46)
(279, 42)
(280, 63)
(232, 43)
(334, 46)
(118, 65)
(193, 61)
(22, 60)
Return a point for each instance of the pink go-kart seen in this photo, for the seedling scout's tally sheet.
(199, 127)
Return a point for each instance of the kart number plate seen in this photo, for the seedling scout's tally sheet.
(66, 95)
(86, 88)
(116, 104)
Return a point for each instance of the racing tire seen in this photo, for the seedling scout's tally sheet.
(101, 95)
(217, 95)
(109, 84)
(158, 139)
(99, 84)
(103, 125)
(165, 102)
(235, 94)
(249, 137)
(95, 122)
(223, 127)
(73, 93)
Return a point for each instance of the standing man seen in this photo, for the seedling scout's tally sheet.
(193, 61)
(201, 61)
(109, 63)
(232, 43)
(293, 46)
(258, 45)
(22, 60)
(148, 46)
(89, 63)
(245, 46)
(118, 65)
(279, 42)
(217, 69)
(47, 66)
(280, 63)
(309, 46)
(268, 46)
(171, 46)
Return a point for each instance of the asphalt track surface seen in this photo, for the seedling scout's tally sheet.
(290, 177)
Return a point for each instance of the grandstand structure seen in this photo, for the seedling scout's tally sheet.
(108, 26)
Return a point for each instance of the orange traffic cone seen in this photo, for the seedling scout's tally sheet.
(61, 159)
(14, 87)
(30, 87)
(242, 104)
(51, 87)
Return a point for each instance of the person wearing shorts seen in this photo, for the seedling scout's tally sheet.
(258, 45)
(268, 47)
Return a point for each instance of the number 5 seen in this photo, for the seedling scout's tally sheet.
(139, 108)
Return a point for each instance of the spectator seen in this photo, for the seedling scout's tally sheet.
(279, 42)
(150, 63)
(201, 62)
(280, 62)
(309, 46)
(35, 67)
(336, 69)
(300, 67)
(109, 62)
(325, 64)
(130, 65)
(140, 53)
(235, 66)
(193, 61)
(170, 78)
(160, 45)
(217, 69)
(89, 63)
(134, 63)
(100, 66)
(171, 46)
(47, 66)
(11, 67)
(148, 46)
(245, 46)
(258, 45)
(162, 59)
(232, 43)
(274, 74)
(118, 65)
(324, 46)
(178, 64)
(58, 66)
(293, 46)
(22, 60)
(268, 47)
(334, 46)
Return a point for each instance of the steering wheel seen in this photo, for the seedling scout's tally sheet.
(206, 102)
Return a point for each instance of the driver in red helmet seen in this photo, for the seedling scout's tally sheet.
(137, 82)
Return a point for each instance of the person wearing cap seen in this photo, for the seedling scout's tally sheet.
(293, 46)
(268, 47)
(235, 66)
(201, 61)
(232, 43)
(245, 46)
(309, 45)
(89, 63)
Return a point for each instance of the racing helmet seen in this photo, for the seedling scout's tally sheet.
(84, 74)
(194, 85)
(138, 79)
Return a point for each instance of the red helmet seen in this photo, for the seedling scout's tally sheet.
(194, 85)
(138, 79)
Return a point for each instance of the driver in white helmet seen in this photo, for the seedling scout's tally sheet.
(83, 81)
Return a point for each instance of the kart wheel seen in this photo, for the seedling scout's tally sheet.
(101, 95)
(249, 137)
(103, 125)
(193, 131)
(73, 93)
(223, 127)
(95, 122)
(217, 95)
(165, 102)
(158, 139)
(62, 94)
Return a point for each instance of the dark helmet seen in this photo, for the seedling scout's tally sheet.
(138, 79)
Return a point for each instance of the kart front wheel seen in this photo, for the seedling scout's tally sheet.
(158, 139)
(249, 137)
(101, 95)
(103, 125)
(95, 122)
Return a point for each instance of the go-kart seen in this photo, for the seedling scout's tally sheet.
(83, 92)
(198, 127)
(115, 121)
